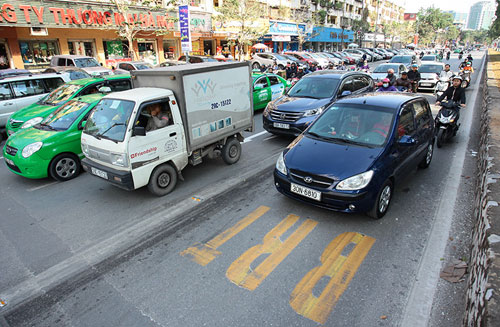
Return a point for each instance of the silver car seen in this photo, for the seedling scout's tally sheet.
(429, 75)
(268, 59)
(380, 72)
(88, 64)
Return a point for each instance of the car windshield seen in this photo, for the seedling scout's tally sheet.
(62, 118)
(353, 124)
(208, 59)
(86, 62)
(143, 66)
(307, 55)
(314, 87)
(61, 94)
(401, 59)
(279, 57)
(430, 69)
(109, 119)
(384, 68)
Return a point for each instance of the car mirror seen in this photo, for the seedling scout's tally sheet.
(82, 124)
(345, 93)
(257, 87)
(104, 89)
(407, 140)
(139, 131)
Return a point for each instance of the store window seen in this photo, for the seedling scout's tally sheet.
(115, 49)
(4, 57)
(82, 48)
(170, 49)
(37, 53)
(147, 52)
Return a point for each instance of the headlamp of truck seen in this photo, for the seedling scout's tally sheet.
(119, 159)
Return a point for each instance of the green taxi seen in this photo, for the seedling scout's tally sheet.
(52, 147)
(36, 112)
(267, 87)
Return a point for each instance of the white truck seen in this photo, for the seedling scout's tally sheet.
(204, 107)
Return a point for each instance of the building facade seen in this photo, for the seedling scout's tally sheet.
(481, 15)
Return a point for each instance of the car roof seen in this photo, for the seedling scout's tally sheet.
(392, 100)
(88, 80)
(135, 62)
(30, 76)
(144, 94)
(334, 74)
(71, 56)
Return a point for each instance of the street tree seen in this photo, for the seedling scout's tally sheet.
(429, 21)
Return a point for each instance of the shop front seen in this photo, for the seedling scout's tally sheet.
(329, 38)
(33, 32)
(283, 36)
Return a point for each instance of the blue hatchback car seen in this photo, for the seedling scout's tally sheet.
(350, 158)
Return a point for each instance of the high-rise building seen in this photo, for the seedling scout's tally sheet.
(481, 15)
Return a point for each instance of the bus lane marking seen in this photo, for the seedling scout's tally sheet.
(204, 253)
(339, 268)
(240, 272)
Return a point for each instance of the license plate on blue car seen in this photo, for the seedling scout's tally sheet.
(305, 191)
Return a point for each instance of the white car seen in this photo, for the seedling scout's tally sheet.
(268, 59)
(380, 72)
(88, 64)
(429, 75)
(322, 61)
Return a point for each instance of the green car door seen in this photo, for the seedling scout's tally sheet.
(261, 92)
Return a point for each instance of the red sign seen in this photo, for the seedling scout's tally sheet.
(409, 16)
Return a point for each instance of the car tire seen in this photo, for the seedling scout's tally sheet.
(383, 201)
(426, 161)
(64, 167)
(231, 151)
(440, 138)
(255, 65)
(163, 180)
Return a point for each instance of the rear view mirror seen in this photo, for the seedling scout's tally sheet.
(406, 140)
(139, 131)
(82, 124)
(104, 89)
(345, 93)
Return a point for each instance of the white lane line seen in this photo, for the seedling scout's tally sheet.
(248, 139)
(1, 157)
(270, 137)
(41, 186)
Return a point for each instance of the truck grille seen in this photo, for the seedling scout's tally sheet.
(10, 150)
(15, 123)
(99, 154)
(316, 180)
(285, 116)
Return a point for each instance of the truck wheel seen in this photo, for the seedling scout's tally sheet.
(231, 151)
(162, 180)
(64, 167)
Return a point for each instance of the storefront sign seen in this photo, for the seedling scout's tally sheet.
(200, 22)
(17, 13)
(281, 38)
(184, 28)
(328, 34)
(285, 28)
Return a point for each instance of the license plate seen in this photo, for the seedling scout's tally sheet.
(99, 173)
(10, 162)
(425, 84)
(305, 191)
(281, 125)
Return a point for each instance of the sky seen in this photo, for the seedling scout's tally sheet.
(461, 6)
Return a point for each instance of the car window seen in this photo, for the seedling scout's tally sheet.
(61, 62)
(28, 88)
(120, 85)
(128, 67)
(274, 80)
(359, 83)
(5, 92)
(406, 124)
(195, 60)
(347, 86)
(262, 81)
(53, 83)
(422, 114)
(69, 62)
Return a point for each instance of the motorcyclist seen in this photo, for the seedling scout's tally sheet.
(390, 75)
(403, 81)
(454, 93)
(446, 73)
(386, 86)
(462, 64)
(365, 66)
(468, 67)
(469, 57)
(414, 77)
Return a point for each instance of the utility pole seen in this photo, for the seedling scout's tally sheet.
(375, 29)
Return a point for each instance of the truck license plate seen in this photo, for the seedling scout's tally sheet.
(307, 192)
(281, 125)
(99, 173)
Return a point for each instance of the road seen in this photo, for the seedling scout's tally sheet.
(257, 267)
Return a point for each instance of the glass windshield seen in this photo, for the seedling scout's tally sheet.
(61, 94)
(62, 118)
(361, 125)
(279, 57)
(384, 68)
(86, 62)
(430, 69)
(208, 59)
(109, 119)
(428, 58)
(143, 66)
(313, 87)
(402, 59)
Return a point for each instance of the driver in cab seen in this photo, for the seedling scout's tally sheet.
(157, 119)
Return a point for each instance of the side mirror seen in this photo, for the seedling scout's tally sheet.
(104, 89)
(345, 93)
(82, 124)
(139, 131)
(407, 140)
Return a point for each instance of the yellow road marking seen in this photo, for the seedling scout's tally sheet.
(204, 253)
(240, 272)
(341, 269)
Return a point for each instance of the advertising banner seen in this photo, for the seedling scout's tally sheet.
(184, 28)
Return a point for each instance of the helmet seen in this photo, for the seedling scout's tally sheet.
(386, 80)
(468, 63)
(414, 65)
(457, 77)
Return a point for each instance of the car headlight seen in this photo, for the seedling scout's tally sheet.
(31, 148)
(270, 106)
(280, 164)
(32, 122)
(119, 159)
(314, 112)
(85, 148)
(355, 182)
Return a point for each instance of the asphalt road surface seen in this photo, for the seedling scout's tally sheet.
(247, 257)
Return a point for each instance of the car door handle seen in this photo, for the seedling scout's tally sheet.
(172, 134)
(8, 104)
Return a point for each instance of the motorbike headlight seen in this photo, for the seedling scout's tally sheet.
(445, 120)
(355, 182)
(119, 159)
(31, 148)
(32, 122)
(314, 112)
(280, 164)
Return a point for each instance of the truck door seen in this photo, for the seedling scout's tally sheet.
(164, 140)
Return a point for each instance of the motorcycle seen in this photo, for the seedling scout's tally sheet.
(465, 78)
(446, 122)
(441, 86)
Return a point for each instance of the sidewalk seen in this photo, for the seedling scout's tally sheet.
(483, 293)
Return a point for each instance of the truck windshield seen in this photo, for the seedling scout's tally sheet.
(109, 119)
(61, 94)
(62, 118)
(86, 62)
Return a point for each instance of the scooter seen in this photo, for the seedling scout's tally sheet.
(465, 78)
(446, 122)
(441, 86)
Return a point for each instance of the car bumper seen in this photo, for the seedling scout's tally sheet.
(349, 201)
(427, 86)
(122, 179)
(33, 167)
(295, 128)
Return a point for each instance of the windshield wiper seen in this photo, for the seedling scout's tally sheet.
(98, 135)
(303, 96)
(347, 141)
(48, 126)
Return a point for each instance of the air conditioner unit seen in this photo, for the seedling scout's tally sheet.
(39, 31)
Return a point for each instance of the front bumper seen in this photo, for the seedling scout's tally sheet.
(427, 85)
(122, 179)
(295, 128)
(362, 201)
(33, 167)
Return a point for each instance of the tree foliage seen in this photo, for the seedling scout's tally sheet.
(431, 22)
(494, 30)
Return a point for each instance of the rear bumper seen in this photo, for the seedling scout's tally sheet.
(122, 179)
